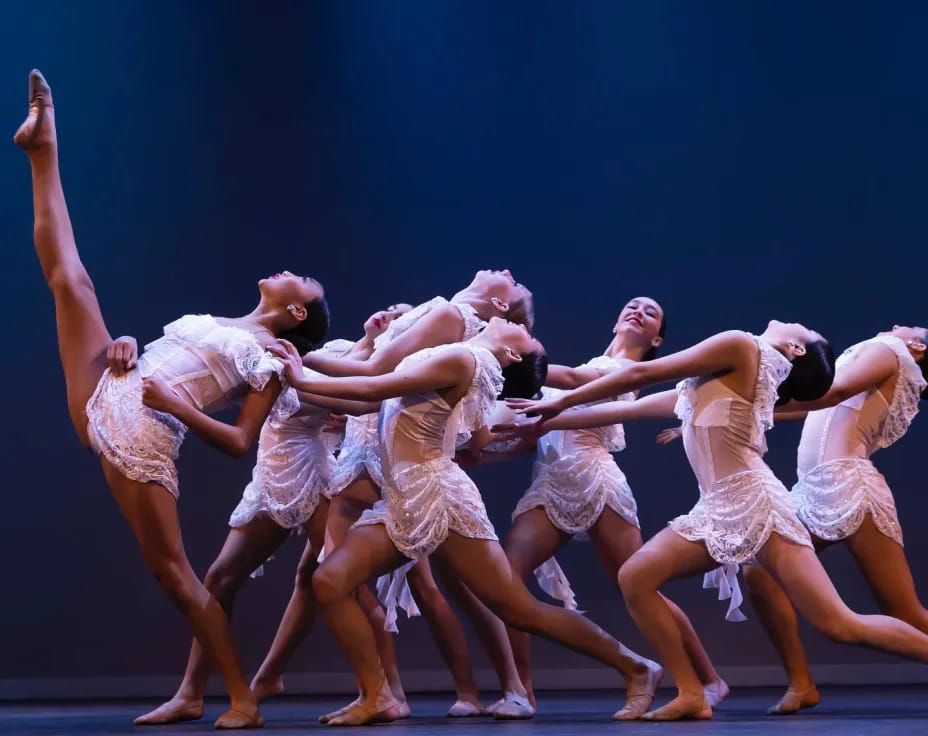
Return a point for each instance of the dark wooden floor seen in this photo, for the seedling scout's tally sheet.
(844, 711)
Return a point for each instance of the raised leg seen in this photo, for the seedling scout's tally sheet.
(82, 334)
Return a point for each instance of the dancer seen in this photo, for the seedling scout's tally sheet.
(744, 512)
(131, 421)
(431, 506)
(842, 497)
(577, 488)
(358, 480)
(288, 490)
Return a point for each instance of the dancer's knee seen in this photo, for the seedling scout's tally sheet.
(305, 572)
(173, 577)
(635, 578)
(221, 579)
(844, 627)
(328, 585)
(69, 280)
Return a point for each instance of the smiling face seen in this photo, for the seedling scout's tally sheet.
(640, 321)
(285, 288)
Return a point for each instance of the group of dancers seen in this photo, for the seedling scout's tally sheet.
(432, 389)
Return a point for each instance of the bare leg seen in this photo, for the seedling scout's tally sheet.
(245, 548)
(482, 566)
(531, 540)
(448, 633)
(616, 540)
(365, 553)
(300, 614)
(152, 514)
(798, 571)
(82, 334)
(514, 705)
(779, 620)
(344, 510)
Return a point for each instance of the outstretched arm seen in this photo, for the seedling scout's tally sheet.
(719, 354)
(872, 367)
(440, 326)
(234, 439)
(565, 377)
(452, 368)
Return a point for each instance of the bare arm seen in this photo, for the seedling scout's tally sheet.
(781, 414)
(234, 439)
(565, 377)
(872, 367)
(440, 326)
(341, 406)
(719, 354)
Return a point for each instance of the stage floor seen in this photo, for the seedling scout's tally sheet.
(848, 711)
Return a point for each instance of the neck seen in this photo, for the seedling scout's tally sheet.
(619, 348)
(485, 341)
(779, 346)
(476, 299)
(266, 318)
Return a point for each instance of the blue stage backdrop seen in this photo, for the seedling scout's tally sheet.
(736, 161)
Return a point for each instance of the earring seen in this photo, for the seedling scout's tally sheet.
(290, 307)
(793, 344)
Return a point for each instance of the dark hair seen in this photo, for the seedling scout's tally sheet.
(310, 333)
(523, 380)
(811, 375)
(522, 311)
(652, 351)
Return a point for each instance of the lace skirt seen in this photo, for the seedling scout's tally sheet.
(833, 499)
(427, 501)
(576, 488)
(736, 516)
(139, 442)
(354, 460)
(293, 472)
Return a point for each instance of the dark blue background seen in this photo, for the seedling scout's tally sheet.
(737, 161)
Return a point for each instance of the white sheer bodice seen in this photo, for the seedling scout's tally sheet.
(867, 422)
(212, 365)
(209, 364)
(361, 447)
(723, 433)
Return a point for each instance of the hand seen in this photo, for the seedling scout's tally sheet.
(157, 395)
(545, 408)
(122, 355)
(669, 435)
(334, 423)
(290, 357)
(528, 432)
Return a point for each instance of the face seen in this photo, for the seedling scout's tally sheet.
(285, 288)
(513, 338)
(641, 319)
(501, 285)
(908, 334)
(787, 332)
(379, 321)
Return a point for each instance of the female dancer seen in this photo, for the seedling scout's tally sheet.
(578, 488)
(199, 363)
(431, 506)
(743, 512)
(358, 479)
(842, 497)
(288, 490)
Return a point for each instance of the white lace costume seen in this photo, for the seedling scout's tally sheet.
(741, 503)
(427, 495)
(209, 364)
(360, 451)
(838, 484)
(295, 463)
(574, 478)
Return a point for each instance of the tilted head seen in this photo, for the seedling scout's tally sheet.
(916, 340)
(378, 322)
(642, 324)
(813, 360)
(303, 310)
(502, 296)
